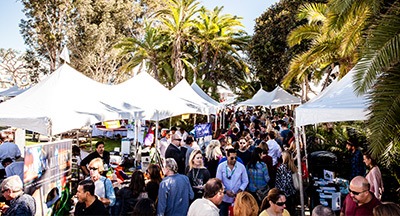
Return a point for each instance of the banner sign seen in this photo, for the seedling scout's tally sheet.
(47, 176)
(203, 130)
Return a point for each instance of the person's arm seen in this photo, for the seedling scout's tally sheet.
(110, 193)
(244, 179)
(191, 194)
(84, 162)
(266, 174)
(162, 199)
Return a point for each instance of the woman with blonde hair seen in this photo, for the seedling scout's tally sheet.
(213, 155)
(104, 189)
(245, 205)
(284, 180)
(198, 174)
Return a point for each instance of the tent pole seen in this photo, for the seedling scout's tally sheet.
(216, 122)
(221, 113)
(156, 139)
(208, 118)
(170, 122)
(303, 132)
(135, 139)
(194, 120)
(299, 172)
(223, 118)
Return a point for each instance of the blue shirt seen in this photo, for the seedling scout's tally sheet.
(173, 195)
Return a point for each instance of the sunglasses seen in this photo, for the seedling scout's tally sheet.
(178, 139)
(93, 168)
(242, 143)
(3, 191)
(233, 158)
(355, 192)
(280, 203)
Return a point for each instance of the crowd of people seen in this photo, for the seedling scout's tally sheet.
(246, 169)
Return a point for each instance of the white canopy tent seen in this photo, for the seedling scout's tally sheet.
(143, 92)
(202, 94)
(63, 101)
(337, 102)
(185, 92)
(13, 91)
(277, 98)
(259, 99)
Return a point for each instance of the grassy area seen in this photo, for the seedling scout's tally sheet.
(110, 144)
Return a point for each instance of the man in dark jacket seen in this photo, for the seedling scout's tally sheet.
(177, 152)
(99, 153)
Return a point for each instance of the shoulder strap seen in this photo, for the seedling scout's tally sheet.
(251, 173)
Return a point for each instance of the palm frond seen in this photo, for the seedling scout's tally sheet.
(381, 51)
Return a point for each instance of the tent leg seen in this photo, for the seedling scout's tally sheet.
(303, 132)
(220, 118)
(299, 172)
(216, 122)
(194, 120)
(156, 140)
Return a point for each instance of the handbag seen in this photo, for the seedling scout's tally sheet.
(296, 181)
(260, 192)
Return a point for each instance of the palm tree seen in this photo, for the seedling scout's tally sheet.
(143, 51)
(213, 30)
(378, 72)
(328, 45)
(177, 21)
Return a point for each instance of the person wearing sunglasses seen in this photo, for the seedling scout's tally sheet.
(359, 201)
(274, 204)
(104, 189)
(235, 179)
(177, 152)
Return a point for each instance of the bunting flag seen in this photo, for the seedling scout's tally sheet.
(203, 130)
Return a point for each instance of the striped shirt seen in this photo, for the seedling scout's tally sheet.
(260, 174)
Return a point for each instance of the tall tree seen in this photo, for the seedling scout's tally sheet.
(142, 51)
(98, 26)
(177, 20)
(328, 46)
(44, 30)
(269, 52)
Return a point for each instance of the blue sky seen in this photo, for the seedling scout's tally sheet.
(11, 14)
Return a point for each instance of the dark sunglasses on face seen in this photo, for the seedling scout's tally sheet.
(93, 168)
(242, 143)
(3, 191)
(178, 139)
(280, 203)
(355, 192)
(233, 158)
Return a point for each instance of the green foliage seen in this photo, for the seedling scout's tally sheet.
(269, 52)
(328, 46)
(45, 28)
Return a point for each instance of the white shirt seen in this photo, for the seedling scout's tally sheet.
(234, 179)
(203, 207)
(9, 150)
(274, 151)
(164, 143)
